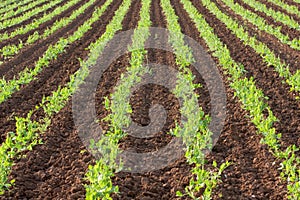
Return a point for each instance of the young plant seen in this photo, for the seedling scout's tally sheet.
(268, 56)
(195, 133)
(251, 98)
(27, 75)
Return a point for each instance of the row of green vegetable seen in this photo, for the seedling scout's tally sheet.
(276, 15)
(269, 57)
(27, 133)
(12, 49)
(21, 9)
(27, 15)
(99, 175)
(261, 24)
(10, 5)
(297, 1)
(37, 22)
(252, 99)
(289, 8)
(29, 74)
(195, 133)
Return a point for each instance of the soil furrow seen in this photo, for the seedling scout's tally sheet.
(140, 105)
(292, 3)
(42, 27)
(30, 54)
(281, 100)
(163, 183)
(290, 56)
(292, 33)
(51, 77)
(55, 170)
(253, 173)
(19, 14)
(27, 21)
(280, 9)
(8, 5)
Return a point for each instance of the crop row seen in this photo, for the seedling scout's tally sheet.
(22, 9)
(276, 15)
(52, 104)
(267, 55)
(12, 49)
(251, 98)
(13, 21)
(99, 175)
(27, 131)
(195, 133)
(290, 8)
(28, 74)
(261, 24)
(297, 1)
(35, 23)
(9, 5)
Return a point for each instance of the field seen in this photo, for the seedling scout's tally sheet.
(234, 124)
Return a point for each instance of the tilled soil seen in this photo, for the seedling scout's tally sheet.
(254, 172)
(15, 40)
(292, 3)
(292, 33)
(29, 20)
(59, 163)
(280, 9)
(288, 55)
(27, 57)
(283, 105)
(17, 15)
(55, 74)
(56, 169)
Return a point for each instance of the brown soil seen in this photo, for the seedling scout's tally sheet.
(160, 184)
(288, 55)
(42, 27)
(19, 14)
(282, 104)
(52, 76)
(59, 165)
(291, 2)
(285, 29)
(30, 54)
(280, 9)
(27, 21)
(56, 169)
(252, 174)
(10, 4)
